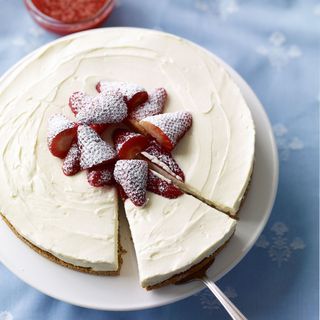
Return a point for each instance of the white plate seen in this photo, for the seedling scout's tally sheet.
(123, 292)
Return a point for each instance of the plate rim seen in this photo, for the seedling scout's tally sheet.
(246, 92)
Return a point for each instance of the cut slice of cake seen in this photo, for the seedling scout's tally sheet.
(173, 236)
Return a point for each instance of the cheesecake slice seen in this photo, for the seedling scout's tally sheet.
(172, 237)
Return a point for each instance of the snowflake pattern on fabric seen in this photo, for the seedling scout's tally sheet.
(278, 52)
(286, 144)
(219, 8)
(6, 315)
(210, 303)
(278, 246)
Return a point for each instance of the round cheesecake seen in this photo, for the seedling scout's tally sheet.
(76, 224)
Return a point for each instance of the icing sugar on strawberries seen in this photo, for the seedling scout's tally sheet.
(104, 108)
(82, 148)
(153, 106)
(132, 175)
(94, 150)
(127, 89)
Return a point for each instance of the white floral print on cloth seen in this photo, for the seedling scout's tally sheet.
(278, 245)
(219, 8)
(285, 143)
(210, 303)
(5, 315)
(278, 52)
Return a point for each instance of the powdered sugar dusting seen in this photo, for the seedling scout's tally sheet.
(94, 151)
(100, 177)
(71, 163)
(78, 100)
(56, 124)
(132, 175)
(121, 136)
(106, 107)
(153, 106)
(161, 186)
(127, 89)
(174, 125)
(164, 159)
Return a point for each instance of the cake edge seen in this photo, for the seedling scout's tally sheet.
(193, 272)
(60, 262)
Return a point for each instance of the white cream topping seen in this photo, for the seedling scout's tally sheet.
(67, 217)
(170, 236)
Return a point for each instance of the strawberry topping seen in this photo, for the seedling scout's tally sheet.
(61, 132)
(133, 94)
(71, 163)
(94, 151)
(156, 154)
(162, 187)
(128, 144)
(152, 107)
(99, 128)
(77, 100)
(100, 177)
(83, 148)
(132, 175)
(168, 128)
(104, 108)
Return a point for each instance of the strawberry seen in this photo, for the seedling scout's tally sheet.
(156, 154)
(132, 176)
(100, 177)
(71, 163)
(61, 132)
(153, 106)
(121, 193)
(128, 144)
(168, 128)
(161, 186)
(77, 101)
(99, 128)
(104, 108)
(94, 151)
(133, 94)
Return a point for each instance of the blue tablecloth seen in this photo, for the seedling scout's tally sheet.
(274, 45)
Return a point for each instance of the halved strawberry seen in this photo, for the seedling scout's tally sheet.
(94, 151)
(163, 159)
(77, 101)
(99, 128)
(153, 106)
(100, 177)
(137, 99)
(168, 128)
(132, 176)
(106, 107)
(161, 186)
(133, 93)
(71, 163)
(128, 144)
(61, 133)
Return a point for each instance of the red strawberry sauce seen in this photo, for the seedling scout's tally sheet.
(69, 11)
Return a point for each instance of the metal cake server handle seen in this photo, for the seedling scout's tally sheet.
(233, 311)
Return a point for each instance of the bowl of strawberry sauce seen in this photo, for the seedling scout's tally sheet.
(68, 16)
